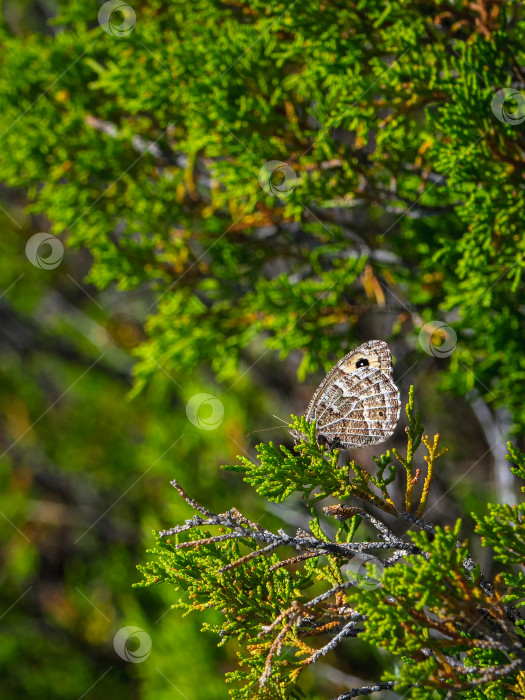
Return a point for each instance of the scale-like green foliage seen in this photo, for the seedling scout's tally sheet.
(504, 530)
(289, 599)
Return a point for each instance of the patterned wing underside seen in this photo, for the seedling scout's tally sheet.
(376, 352)
(357, 405)
(357, 409)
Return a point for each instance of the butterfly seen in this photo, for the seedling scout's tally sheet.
(357, 403)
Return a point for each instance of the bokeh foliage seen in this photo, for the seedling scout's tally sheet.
(84, 476)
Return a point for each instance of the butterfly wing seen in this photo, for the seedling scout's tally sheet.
(375, 353)
(357, 403)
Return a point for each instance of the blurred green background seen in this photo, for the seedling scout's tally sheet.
(86, 459)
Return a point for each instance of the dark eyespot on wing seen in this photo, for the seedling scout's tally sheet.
(357, 403)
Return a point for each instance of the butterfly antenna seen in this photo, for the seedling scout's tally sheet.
(263, 430)
(279, 418)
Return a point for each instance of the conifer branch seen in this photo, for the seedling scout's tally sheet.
(367, 690)
(433, 454)
(425, 598)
